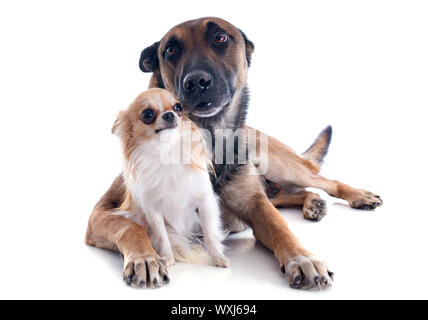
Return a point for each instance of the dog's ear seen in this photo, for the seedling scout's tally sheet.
(249, 47)
(117, 128)
(149, 61)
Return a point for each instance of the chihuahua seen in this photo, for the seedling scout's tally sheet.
(167, 176)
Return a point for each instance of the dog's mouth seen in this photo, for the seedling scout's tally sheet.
(207, 109)
(170, 126)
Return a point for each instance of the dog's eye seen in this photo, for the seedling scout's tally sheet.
(221, 37)
(178, 108)
(170, 51)
(148, 116)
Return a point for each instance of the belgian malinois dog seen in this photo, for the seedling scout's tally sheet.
(204, 63)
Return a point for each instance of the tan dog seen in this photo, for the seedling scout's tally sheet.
(204, 63)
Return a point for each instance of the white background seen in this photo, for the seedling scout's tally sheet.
(67, 68)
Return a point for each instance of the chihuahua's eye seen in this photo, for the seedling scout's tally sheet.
(221, 37)
(178, 108)
(148, 116)
(170, 51)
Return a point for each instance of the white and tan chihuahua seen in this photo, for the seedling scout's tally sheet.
(166, 173)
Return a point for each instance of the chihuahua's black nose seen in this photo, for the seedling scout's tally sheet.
(169, 117)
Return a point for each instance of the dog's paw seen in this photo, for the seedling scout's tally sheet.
(221, 261)
(145, 271)
(168, 260)
(314, 208)
(307, 272)
(361, 199)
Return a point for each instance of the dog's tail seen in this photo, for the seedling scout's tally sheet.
(188, 249)
(318, 150)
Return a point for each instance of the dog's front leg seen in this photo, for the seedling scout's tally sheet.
(159, 237)
(108, 230)
(246, 197)
(209, 214)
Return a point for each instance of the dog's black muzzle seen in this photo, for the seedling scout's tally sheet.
(202, 91)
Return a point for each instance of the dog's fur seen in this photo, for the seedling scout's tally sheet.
(247, 199)
(166, 174)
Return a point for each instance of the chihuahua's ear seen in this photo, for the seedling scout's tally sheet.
(149, 61)
(117, 128)
(249, 47)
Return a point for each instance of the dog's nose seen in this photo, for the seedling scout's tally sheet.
(169, 117)
(197, 82)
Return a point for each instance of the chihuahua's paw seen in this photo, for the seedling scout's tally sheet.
(221, 261)
(145, 271)
(307, 272)
(365, 200)
(169, 260)
(314, 208)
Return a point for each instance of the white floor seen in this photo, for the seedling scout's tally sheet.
(373, 254)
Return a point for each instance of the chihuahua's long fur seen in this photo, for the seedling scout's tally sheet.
(166, 174)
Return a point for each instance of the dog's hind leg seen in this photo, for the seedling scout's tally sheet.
(302, 176)
(314, 208)
(288, 168)
(357, 198)
(109, 230)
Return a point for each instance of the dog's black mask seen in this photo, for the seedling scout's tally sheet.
(203, 62)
